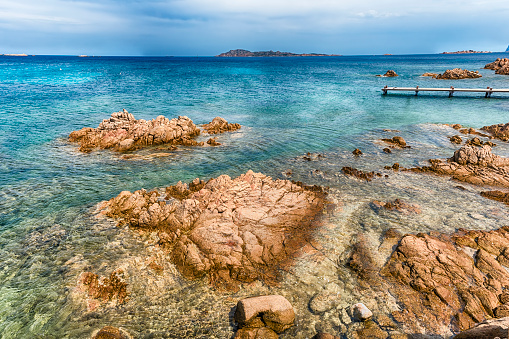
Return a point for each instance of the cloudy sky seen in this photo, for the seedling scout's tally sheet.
(203, 27)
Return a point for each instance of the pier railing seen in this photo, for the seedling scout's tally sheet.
(487, 91)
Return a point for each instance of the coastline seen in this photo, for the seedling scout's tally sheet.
(53, 235)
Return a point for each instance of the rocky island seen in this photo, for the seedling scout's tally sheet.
(122, 132)
(246, 53)
(470, 51)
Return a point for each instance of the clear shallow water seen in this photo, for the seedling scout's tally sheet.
(287, 106)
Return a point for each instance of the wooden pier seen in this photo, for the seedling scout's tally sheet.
(487, 91)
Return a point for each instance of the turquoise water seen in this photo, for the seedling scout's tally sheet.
(287, 107)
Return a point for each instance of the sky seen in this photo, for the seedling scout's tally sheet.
(206, 28)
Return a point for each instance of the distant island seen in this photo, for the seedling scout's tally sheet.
(14, 54)
(470, 51)
(246, 53)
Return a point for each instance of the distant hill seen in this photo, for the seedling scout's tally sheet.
(246, 53)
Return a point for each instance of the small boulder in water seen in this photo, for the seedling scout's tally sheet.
(360, 312)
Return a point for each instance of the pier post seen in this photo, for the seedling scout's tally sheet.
(416, 90)
(384, 90)
(451, 91)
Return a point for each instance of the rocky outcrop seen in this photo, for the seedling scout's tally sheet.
(272, 313)
(122, 133)
(499, 131)
(350, 171)
(458, 73)
(389, 74)
(232, 230)
(397, 141)
(489, 329)
(500, 66)
(450, 281)
(103, 290)
(478, 166)
(427, 74)
(456, 139)
(220, 125)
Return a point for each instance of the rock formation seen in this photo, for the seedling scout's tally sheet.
(500, 131)
(268, 313)
(233, 230)
(397, 205)
(493, 328)
(478, 166)
(458, 73)
(443, 281)
(122, 132)
(350, 171)
(390, 73)
(427, 74)
(397, 141)
(220, 125)
(500, 66)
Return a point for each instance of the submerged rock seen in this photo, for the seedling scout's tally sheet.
(103, 290)
(272, 311)
(368, 176)
(458, 73)
(122, 133)
(220, 125)
(233, 230)
(360, 312)
(357, 152)
(109, 332)
(397, 205)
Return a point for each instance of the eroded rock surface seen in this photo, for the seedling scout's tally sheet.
(447, 281)
(500, 66)
(122, 133)
(109, 332)
(220, 125)
(458, 73)
(478, 166)
(233, 230)
(350, 171)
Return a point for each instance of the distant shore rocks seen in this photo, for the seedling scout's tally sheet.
(500, 66)
(458, 73)
(123, 133)
(220, 125)
(390, 73)
(427, 74)
(499, 131)
(232, 230)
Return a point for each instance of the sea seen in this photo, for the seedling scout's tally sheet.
(288, 107)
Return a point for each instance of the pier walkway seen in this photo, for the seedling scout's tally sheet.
(487, 91)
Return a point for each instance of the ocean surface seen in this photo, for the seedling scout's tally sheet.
(287, 107)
